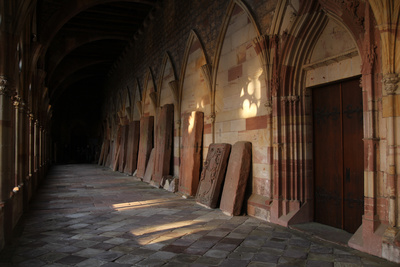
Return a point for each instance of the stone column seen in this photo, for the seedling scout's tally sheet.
(390, 86)
(19, 146)
(6, 141)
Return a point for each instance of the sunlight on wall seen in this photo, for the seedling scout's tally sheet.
(250, 96)
(191, 122)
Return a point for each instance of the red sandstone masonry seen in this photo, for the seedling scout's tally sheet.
(235, 72)
(145, 144)
(255, 123)
(236, 178)
(213, 174)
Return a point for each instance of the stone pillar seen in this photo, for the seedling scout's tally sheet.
(6, 141)
(31, 154)
(19, 144)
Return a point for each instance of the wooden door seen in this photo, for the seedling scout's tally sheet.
(338, 155)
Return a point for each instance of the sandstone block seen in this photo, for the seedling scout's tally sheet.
(170, 183)
(145, 144)
(212, 175)
(237, 174)
(163, 146)
(192, 137)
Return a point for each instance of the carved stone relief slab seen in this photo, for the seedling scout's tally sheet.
(212, 175)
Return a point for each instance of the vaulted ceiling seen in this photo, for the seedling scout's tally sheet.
(80, 42)
(83, 38)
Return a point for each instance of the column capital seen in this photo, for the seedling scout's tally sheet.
(390, 83)
(3, 85)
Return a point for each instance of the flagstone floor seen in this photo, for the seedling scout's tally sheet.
(87, 215)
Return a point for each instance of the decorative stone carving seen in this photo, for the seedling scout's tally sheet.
(268, 106)
(293, 98)
(192, 137)
(390, 82)
(212, 175)
(237, 174)
(145, 144)
(3, 85)
(163, 146)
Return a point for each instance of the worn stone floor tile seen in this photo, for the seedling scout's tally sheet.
(32, 263)
(266, 257)
(89, 252)
(215, 253)
(91, 262)
(209, 261)
(108, 255)
(150, 263)
(317, 263)
(234, 263)
(71, 260)
(130, 259)
(184, 258)
(52, 257)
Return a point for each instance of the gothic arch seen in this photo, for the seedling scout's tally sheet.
(194, 92)
(149, 95)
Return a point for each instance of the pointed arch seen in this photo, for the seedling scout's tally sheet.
(194, 91)
(220, 41)
(136, 99)
(150, 95)
(166, 76)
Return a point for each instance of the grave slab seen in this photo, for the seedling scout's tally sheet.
(145, 144)
(191, 149)
(133, 147)
(212, 175)
(236, 177)
(163, 146)
(123, 148)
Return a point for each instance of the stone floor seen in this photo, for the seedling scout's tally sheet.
(87, 215)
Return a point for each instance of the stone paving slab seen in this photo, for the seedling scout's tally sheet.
(87, 215)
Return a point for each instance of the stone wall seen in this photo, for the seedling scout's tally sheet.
(249, 66)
